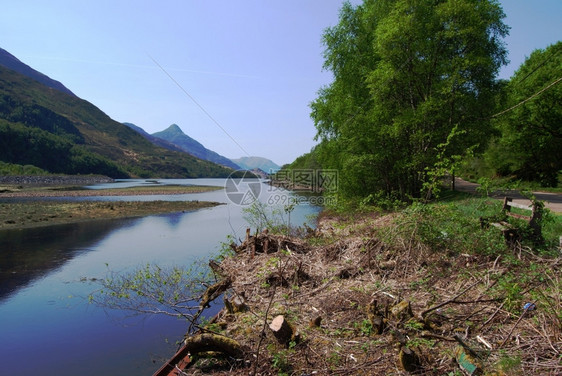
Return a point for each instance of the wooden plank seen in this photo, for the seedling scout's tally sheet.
(520, 206)
(520, 216)
(501, 225)
(179, 361)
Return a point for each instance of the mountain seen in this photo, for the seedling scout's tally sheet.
(51, 128)
(175, 135)
(250, 163)
(11, 62)
(155, 140)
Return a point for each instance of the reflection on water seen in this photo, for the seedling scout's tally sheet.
(47, 326)
(26, 255)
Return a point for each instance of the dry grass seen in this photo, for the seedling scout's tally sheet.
(337, 275)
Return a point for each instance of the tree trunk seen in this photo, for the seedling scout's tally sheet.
(213, 342)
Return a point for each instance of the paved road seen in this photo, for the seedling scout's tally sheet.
(552, 201)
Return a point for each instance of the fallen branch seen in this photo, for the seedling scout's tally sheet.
(493, 315)
(213, 342)
(452, 300)
(514, 326)
(214, 291)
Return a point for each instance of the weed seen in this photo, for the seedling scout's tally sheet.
(334, 359)
(365, 327)
(509, 364)
(413, 325)
(420, 342)
(281, 361)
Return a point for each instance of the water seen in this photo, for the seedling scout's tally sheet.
(47, 326)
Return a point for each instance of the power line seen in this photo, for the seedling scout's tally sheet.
(528, 99)
(198, 105)
(538, 66)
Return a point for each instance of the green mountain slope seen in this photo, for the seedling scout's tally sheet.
(176, 136)
(62, 133)
(11, 62)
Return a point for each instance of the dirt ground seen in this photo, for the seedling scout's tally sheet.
(47, 213)
(356, 305)
(15, 213)
(14, 191)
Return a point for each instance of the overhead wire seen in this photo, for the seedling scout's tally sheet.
(546, 60)
(528, 99)
(198, 104)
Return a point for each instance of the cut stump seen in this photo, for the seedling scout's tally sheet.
(282, 330)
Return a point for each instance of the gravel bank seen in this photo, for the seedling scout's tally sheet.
(54, 179)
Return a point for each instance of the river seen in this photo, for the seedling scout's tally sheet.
(47, 325)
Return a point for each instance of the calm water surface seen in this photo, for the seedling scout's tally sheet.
(47, 326)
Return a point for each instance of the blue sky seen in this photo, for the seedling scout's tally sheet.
(253, 65)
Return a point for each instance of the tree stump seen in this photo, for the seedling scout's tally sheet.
(239, 304)
(408, 360)
(402, 311)
(282, 330)
(266, 241)
(316, 322)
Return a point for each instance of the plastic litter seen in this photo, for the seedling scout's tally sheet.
(529, 307)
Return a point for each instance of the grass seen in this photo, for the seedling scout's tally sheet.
(416, 277)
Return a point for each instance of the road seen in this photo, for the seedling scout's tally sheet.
(552, 201)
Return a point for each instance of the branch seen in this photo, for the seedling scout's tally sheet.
(452, 300)
(514, 326)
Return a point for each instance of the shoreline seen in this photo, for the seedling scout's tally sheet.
(37, 212)
(45, 180)
(25, 215)
(361, 296)
(73, 191)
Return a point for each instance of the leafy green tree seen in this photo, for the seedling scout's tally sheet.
(413, 81)
(531, 144)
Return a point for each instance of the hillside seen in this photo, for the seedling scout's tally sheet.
(175, 135)
(155, 140)
(10, 61)
(62, 133)
(250, 163)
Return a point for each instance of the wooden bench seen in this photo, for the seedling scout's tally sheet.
(511, 233)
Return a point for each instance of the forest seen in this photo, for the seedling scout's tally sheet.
(415, 97)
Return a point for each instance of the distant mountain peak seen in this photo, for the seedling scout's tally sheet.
(174, 128)
(251, 163)
(176, 136)
(11, 62)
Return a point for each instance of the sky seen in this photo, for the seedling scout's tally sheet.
(238, 76)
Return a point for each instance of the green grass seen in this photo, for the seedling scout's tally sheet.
(452, 224)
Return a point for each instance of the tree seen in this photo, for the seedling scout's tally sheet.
(413, 80)
(531, 143)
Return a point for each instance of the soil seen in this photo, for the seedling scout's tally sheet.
(359, 305)
(16, 213)
(13, 191)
